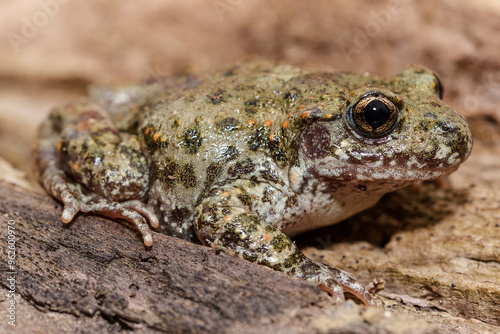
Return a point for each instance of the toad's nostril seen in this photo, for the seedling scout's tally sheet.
(446, 127)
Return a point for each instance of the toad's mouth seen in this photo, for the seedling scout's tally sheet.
(368, 174)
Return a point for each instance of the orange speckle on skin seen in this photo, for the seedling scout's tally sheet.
(225, 194)
(328, 116)
(146, 132)
(302, 106)
(238, 191)
(227, 218)
(271, 137)
(198, 119)
(156, 136)
(251, 122)
(267, 237)
(284, 125)
(75, 166)
(268, 123)
(59, 146)
(305, 114)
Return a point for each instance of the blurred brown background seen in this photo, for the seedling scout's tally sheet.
(51, 50)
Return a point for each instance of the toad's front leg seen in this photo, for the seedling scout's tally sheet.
(82, 160)
(224, 221)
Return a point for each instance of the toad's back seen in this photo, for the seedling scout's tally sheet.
(199, 131)
(232, 125)
(241, 158)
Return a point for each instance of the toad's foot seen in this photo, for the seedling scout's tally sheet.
(77, 198)
(337, 282)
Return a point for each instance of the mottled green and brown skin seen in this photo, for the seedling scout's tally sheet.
(244, 158)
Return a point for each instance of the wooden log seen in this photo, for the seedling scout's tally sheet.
(95, 275)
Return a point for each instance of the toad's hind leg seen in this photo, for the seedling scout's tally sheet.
(83, 161)
(224, 221)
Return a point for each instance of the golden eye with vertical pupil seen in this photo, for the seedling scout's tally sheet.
(374, 115)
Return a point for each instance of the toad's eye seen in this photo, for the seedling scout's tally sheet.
(374, 115)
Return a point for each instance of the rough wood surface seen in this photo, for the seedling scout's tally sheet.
(437, 250)
(95, 276)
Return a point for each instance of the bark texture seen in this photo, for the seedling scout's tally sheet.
(94, 275)
(436, 250)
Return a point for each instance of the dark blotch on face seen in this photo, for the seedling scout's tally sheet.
(431, 115)
(316, 140)
(425, 126)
